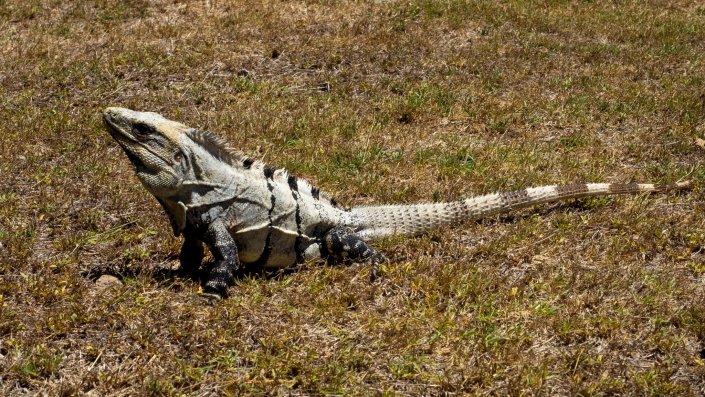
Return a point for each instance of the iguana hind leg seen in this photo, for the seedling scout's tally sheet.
(343, 245)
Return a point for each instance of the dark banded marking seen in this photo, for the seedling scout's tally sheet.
(315, 193)
(572, 189)
(267, 250)
(247, 163)
(457, 208)
(617, 188)
(293, 183)
(273, 200)
(514, 196)
(268, 173)
(333, 202)
(298, 249)
(323, 249)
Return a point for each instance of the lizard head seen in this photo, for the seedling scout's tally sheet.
(154, 146)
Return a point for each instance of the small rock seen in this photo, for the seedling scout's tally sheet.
(106, 281)
(243, 73)
(700, 142)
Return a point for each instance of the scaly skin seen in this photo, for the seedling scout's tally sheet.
(248, 214)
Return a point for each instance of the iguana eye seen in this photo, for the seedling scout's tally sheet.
(141, 129)
(178, 156)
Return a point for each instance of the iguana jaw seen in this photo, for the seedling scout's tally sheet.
(151, 142)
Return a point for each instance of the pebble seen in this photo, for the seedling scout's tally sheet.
(106, 281)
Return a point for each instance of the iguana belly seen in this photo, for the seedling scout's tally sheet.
(268, 247)
(269, 237)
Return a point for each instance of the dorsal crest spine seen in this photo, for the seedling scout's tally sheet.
(220, 149)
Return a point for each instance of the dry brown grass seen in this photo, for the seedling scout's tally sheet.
(428, 100)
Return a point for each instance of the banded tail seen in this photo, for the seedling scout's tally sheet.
(371, 222)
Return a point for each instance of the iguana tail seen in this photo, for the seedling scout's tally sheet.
(371, 222)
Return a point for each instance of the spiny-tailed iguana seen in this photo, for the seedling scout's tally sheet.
(250, 214)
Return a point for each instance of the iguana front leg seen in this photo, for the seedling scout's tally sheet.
(191, 255)
(224, 250)
(343, 245)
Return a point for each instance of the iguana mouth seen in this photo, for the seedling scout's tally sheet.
(112, 127)
(117, 133)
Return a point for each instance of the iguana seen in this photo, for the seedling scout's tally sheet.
(252, 215)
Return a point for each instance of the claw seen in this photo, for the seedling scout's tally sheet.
(374, 273)
(210, 296)
(375, 270)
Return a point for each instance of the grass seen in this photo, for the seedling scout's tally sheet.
(399, 101)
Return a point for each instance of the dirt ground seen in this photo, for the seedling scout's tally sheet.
(373, 102)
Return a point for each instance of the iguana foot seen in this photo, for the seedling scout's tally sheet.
(217, 284)
(374, 273)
